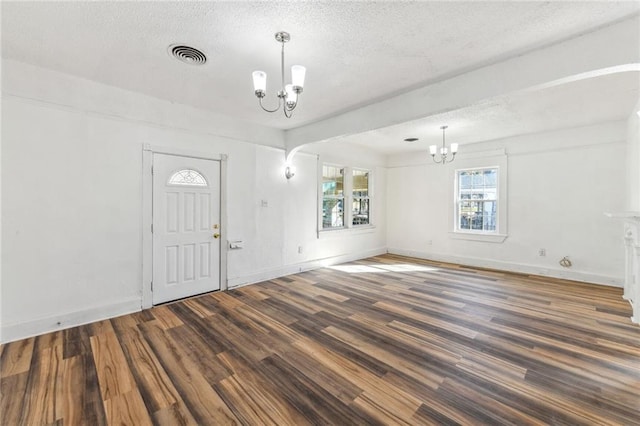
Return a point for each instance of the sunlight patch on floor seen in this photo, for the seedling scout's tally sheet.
(382, 268)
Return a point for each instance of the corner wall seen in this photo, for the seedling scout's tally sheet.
(72, 198)
(559, 185)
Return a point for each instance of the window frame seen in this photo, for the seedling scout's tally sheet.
(333, 197)
(348, 225)
(458, 200)
(496, 159)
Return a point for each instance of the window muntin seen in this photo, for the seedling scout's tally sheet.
(332, 197)
(360, 202)
(187, 177)
(477, 200)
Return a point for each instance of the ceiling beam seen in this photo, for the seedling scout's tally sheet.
(614, 48)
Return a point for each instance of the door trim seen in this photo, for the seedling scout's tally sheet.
(147, 213)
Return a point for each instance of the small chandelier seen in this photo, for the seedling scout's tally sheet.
(288, 94)
(444, 151)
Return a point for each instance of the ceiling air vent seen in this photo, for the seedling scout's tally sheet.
(188, 55)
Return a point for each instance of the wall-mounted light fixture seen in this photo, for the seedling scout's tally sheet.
(289, 171)
(288, 94)
(444, 151)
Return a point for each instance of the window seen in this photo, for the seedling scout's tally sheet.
(187, 177)
(478, 208)
(346, 198)
(332, 197)
(360, 204)
(477, 200)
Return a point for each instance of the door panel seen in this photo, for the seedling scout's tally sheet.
(186, 208)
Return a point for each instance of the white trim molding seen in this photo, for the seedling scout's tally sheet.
(522, 268)
(23, 330)
(269, 274)
(474, 236)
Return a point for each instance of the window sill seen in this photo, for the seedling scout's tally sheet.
(475, 236)
(341, 232)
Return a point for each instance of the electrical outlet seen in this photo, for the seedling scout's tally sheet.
(542, 252)
(300, 249)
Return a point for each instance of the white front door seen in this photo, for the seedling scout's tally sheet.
(186, 230)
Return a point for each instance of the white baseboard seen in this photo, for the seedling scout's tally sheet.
(514, 267)
(269, 274)
(22, 330)
(16, 331)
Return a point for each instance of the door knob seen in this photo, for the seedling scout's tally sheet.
(216, 235)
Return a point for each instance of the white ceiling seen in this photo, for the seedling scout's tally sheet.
(355, 53)
(580, 103)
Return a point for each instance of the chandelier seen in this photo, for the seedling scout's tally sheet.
(288, 94)
(444, 151)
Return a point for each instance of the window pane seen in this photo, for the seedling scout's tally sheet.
(332, 213)
(490, 177)
(360, 211)
(332, 181)
(465, 180)
(187, 177)
(477, 179)
(465, 221)
(489, 216)
(360, 183)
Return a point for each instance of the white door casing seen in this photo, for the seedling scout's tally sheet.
(186, 227)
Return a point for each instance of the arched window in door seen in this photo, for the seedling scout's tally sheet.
(187, 177)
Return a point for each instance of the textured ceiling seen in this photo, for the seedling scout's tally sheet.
(576, 104)
(355, 52)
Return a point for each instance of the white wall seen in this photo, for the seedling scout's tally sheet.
(72, 198)
(559, 186)
(633, 160)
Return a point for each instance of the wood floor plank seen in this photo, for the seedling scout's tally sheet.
(42, 404)
(383, 340)
(114, 375)
(81, 400)
(127, 409)
(166, 317)
(205, 405)
(16, 357)
(154, 385)
(12, 397)
(254, 385)
(252, 406)
(174, 415)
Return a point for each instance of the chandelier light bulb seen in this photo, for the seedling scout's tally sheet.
(259, 81)
(292, 96)
(297, 76)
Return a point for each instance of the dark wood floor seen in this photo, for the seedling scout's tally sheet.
(386, 340)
